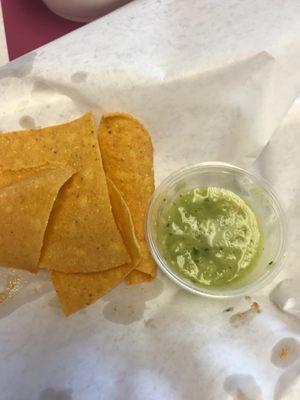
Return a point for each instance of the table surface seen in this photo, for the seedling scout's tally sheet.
(37, 25)
(3, 47)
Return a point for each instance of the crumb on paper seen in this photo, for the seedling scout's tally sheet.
(3, 296)
(229, 309)
(11, 287)
(248, 298)
(243, 317)
(255, 306)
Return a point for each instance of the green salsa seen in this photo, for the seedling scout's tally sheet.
(210, 236)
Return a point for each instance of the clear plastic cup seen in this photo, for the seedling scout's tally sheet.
(256, 192)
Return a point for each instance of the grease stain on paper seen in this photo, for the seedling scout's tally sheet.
(19, 68)
(79, 77)
(27, 122)
(149, 323)
(288, 384)
(126, 304)
(43, 91)
(53, 394)
(286, 297)
(285, 352)
(242, 387)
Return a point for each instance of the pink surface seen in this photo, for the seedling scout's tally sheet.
(29, 24)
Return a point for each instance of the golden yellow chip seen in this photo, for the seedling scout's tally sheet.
(135, 277)
(127, 156)
(76, 291)
(10, 176)
(146, 264)
(25, 207)
(124, 222)
(82, 235)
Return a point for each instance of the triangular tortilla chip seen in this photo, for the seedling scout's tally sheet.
(127, 156)
(25, 207)
(76, 291)
(82, 235)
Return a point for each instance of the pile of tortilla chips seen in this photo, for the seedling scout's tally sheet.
(75, 204)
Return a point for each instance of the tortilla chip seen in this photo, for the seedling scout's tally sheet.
(135, 277)
(128, 161)
(124, 222)
(82, 235)
(13, 176)
(25, 207)
(146, 264)
(76, 291)
(10, 176)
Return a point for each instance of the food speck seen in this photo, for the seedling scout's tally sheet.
(283, 352)
(229, 309)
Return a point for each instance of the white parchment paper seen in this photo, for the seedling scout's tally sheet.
(211, 80)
